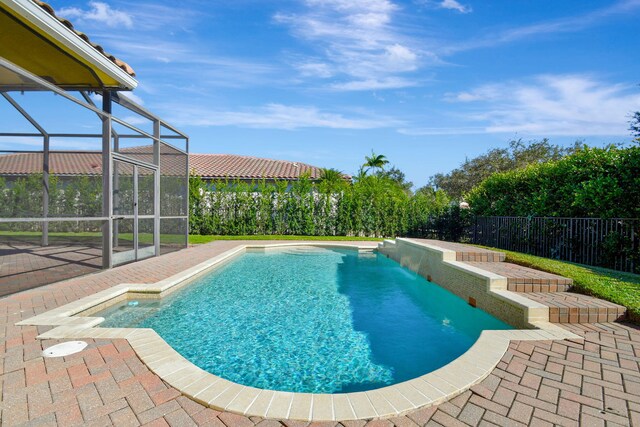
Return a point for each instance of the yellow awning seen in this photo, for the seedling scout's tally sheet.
(38, 51)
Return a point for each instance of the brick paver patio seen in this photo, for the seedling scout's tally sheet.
(25, 266)
(591, 381)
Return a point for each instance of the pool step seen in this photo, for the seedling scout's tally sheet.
(304, 250)
(524, 279)
(569, 307)
(466, 253)
(546, 288)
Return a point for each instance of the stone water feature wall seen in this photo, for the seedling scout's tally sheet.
(486, 290)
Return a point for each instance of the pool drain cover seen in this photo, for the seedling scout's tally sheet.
(64, 349)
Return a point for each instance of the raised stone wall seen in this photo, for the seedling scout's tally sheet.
(488, 291)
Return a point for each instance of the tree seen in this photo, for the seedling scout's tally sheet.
(520, 154)
(592, 182)
(331, 175)
(375, 161)
(361, 174)
(634, 126)
(396, 175)
(331, 180)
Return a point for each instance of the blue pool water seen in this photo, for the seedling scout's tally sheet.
(310, 319)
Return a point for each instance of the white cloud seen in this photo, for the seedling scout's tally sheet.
(99, 12)
(135, 98)
(454, 5)
(157, 48)
(213, 70)
(97, 98)
(401, 58)
(425, 131)
(563, 25)
(168, 19)
(357, 41)
(136, 120)
(147, 16)
(483, 93)
(445, 4)
(315, 69)
(276, 116)
(374, 84)
(359, 7)
(569, 105)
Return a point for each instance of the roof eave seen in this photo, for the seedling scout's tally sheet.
(41, 19)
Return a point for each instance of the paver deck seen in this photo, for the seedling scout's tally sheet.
(589, 381)
(25, 266)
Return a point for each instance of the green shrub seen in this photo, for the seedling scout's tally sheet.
(374, 206)
(592, 182)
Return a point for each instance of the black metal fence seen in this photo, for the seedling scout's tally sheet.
(611, 243)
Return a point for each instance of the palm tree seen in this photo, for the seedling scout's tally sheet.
(331, 175)
(362, 174)
(332, 179)
(376, 161)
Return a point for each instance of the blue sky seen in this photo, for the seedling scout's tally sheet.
(425, 82)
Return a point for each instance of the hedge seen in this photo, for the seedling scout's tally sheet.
(592, 182)
(372, 207)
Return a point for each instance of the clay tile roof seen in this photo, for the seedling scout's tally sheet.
(89, 163)
(123, 65)
(209, 166)
(221, 166)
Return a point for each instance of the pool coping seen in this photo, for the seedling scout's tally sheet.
(210, 390)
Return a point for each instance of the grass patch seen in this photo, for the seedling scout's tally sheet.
(51, 233)
(615, 286)
(86, 237)
(198, 239)
(92, 237)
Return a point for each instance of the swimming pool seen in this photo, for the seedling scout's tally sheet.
(307, 319)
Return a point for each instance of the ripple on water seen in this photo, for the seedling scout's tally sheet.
(309, 319)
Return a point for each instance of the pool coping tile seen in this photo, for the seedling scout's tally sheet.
(362, 406)
(301, 407)
(243, 400)
(259, 406)
(342, 409)
(74, 320)
(322, 407)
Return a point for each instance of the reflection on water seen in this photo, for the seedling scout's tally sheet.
(309, 319)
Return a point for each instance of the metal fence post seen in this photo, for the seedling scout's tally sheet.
(569, 239)
(107, 228)
(156, 187)
(45, 192)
